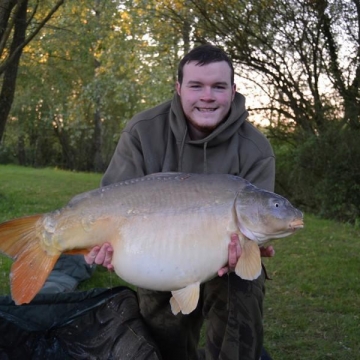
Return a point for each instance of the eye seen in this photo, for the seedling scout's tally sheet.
(277, 204)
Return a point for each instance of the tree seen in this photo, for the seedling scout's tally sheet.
(92, 68)
(303, 54)
(19, 24)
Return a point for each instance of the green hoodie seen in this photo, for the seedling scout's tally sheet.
(157, 140)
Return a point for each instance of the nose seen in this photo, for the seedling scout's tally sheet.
(207, 94)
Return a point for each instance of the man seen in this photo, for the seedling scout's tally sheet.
(203, 129)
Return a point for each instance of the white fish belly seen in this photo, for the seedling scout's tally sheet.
(170, 251)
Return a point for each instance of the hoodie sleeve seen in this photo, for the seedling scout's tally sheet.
(127, 161)
(257, 159)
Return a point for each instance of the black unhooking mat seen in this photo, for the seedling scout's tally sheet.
(96, 324)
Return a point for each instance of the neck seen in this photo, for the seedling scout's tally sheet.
(197, 134)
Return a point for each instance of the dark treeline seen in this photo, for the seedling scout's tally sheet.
(73, 73)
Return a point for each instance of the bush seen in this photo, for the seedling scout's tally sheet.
(322, 174)
(6, 156)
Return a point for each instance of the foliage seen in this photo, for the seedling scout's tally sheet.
(302, 55)
(20, 22)
(323, 173)
(89, 72)
(311, 305)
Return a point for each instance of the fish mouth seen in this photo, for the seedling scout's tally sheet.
(297, 224)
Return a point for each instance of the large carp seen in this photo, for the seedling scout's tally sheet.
(169, 232)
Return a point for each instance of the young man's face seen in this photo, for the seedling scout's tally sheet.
(206, 94)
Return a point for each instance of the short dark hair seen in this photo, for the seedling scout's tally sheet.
(203, 55)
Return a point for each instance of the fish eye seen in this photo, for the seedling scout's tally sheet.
(277, 203)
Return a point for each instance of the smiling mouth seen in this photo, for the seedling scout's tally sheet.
(206, 109)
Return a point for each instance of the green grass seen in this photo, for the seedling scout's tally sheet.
(312, 306)
(27, 191)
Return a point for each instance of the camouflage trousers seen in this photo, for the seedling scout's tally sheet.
(230, 309)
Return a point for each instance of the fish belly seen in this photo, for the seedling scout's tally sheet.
(169, 252)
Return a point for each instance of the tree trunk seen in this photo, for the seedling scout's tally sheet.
(10, 73)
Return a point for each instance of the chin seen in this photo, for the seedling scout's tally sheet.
(206, 125)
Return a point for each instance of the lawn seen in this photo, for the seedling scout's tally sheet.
(313, 300)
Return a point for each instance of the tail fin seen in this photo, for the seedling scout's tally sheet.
(32, 264)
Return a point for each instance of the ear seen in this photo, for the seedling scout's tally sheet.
(178, 88)
(233, 91)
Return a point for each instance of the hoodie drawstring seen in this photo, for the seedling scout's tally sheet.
(182, 151)
(205, 159)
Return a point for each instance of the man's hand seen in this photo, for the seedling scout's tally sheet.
(267, 251)
(101, 256)
(234, 249)
(235, 253)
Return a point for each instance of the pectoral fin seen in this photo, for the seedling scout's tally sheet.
(186, 299)
(175, 308)
(248, 266)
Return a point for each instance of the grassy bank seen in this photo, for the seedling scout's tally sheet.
(313, 300)
(26, 191)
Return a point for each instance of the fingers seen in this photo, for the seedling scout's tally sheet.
(101, 256)
(104, 255)
(223, 271)
(268, 251)
(90, 257)
(234, 251)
